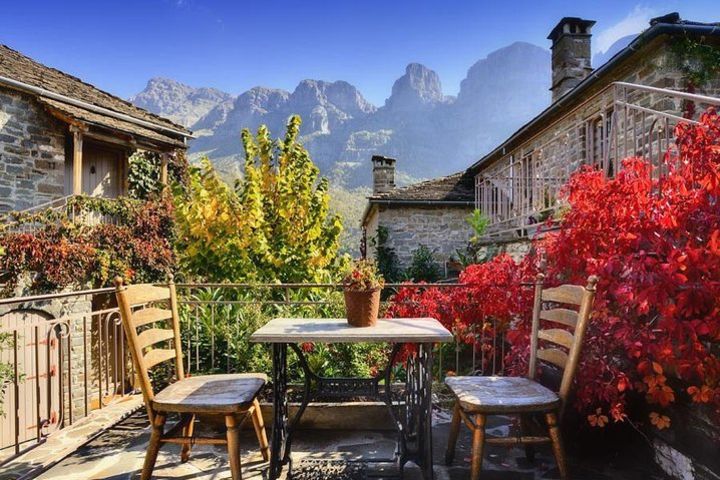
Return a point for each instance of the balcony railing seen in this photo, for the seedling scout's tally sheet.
(68, 208)
(621, 121)
(67, 353)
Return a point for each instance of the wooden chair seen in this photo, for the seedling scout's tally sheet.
(233, 396)
(478, 397)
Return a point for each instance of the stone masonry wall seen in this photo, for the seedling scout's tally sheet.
(442, 229)
(32, 153)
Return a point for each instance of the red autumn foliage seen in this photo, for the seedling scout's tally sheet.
(60, 253)
(655, 244)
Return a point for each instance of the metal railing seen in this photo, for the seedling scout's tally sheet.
(32, 219)
(621, 121)
(207, 309)
(68, 357)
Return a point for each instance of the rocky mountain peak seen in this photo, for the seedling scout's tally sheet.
(340, 95)
(262, 99)
(177, 101)
(519, 62)
(429, 133)
(420, 86)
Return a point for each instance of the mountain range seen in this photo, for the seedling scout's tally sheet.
(430, 133)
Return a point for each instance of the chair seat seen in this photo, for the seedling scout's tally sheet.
(226, 393)
(498, 395)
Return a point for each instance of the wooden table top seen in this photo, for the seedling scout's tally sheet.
(337, 330)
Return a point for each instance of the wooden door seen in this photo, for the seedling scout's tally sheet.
(38, 407)
(103, 170)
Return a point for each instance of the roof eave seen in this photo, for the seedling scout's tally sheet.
(398, 201)
(35, 90)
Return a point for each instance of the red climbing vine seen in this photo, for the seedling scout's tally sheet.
(654, 241)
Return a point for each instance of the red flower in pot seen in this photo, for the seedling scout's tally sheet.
(362, 285)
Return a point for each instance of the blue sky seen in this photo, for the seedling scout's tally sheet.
(235, 45)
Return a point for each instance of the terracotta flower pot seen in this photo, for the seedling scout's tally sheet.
(362, 307)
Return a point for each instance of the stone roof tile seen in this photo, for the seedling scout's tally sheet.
(21, 68)
(458, 187)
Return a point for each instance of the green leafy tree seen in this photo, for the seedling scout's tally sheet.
(387, 260)
(274, 225)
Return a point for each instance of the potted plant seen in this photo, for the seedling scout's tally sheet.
(362, 285)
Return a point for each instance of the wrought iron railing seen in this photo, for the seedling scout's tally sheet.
(68, 357)
(623, 120)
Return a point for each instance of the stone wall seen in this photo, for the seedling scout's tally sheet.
(32, 153)
(442, 229)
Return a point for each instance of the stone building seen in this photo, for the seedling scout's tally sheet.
(626, 107)
(60, 136)
(431, 213)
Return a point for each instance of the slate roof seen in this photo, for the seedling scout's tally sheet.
(86, 116)
(458, 187)
(21, 68)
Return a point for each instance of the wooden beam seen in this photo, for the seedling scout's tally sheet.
(127, 142)
(77, 159)
(164, 160)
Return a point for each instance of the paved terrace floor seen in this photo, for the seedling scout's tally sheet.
(118, 453)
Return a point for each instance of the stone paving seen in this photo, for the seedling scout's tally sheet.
(322, 454)
(66, 441)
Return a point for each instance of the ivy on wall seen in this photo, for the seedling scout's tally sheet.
(697, 60)
(144, 173)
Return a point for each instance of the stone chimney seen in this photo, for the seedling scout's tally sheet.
(383, 174)
(570, 54)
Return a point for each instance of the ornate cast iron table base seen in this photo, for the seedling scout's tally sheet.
(414, 422)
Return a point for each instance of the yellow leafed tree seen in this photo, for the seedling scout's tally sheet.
(274, 225)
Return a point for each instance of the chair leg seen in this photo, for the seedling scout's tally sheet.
(158, 426)
(557, 444)
(233, 445)
(477, 446)
(454, 432)
(187, 432)
(259, 425)
(525, 422)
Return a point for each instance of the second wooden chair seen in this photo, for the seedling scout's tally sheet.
(478, 397)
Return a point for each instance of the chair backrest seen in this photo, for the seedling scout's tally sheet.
(571, 307)
(150, 344)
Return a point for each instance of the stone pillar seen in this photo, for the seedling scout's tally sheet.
(570, 54)
(383, 174)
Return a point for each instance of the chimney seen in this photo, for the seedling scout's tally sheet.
(570, 54)
(383, 174)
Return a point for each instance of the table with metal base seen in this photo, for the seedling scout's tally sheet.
(413, 422)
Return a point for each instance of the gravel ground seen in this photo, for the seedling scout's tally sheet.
(336, 470)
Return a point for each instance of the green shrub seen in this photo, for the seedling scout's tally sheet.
(385, 256)
(423, 267)
(217, 324)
